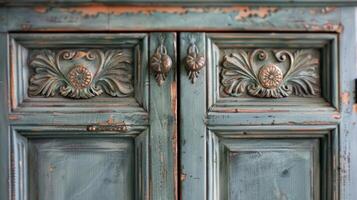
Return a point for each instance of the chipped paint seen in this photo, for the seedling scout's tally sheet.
(325, 27)
(41, 9)
(336, 116)
(243, 12)
(345, 98)
(239, 110)
(173, 95)
(354, 108)
(324, 10)
(261, 12)
(183, 177)
(14, 117)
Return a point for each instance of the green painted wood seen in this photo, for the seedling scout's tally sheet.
(163, 123)
(190, 2)
(69, 163)
(81, 168)
(348, 147)
(257, 156)
(294, 17)
(259, 169)
(192, 121)
(4, 129)
(112, 18)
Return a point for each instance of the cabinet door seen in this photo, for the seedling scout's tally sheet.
(87, 120)
(258, 116)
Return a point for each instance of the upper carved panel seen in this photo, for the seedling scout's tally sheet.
(81, 73)
(270, 73)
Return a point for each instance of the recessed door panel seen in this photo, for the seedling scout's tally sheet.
(81, 169)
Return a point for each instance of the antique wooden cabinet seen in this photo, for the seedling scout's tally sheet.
(165, 100)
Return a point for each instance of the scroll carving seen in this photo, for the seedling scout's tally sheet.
(252, 72)
(81, 74)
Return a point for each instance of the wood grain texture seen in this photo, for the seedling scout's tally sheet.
(271, 173)
(89, 18)
(70, 163)
(191, 2)
(163, 124)
(192, 120)
(4, 129)
(238, 153)
(348, 161)
(81, 169)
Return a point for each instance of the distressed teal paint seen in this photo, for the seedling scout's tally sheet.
(191, 2)
(163, 124)
(192, 120)
(291, 17)
(180, 18)
(4, 129)
(49, 162)
(348, 39)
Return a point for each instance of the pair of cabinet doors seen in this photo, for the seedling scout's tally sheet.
(187, 115)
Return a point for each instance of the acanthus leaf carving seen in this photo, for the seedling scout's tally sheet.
(242, 74)
(110, 72)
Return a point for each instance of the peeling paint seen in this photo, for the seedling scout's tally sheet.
(261, 12)
(345, 98)
(238, 110)
(354, 108)
(183, 177)
(243, 12)
(41, 9)
(14, 117)
(325, 10)
(173, 95)
(336, 116)
(325, 27)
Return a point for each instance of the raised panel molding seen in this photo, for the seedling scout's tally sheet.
(295, 161)
(81, 74)
(276, 71)
(106, 164)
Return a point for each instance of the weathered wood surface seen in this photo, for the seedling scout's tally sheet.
(189, 2)
(192, 124)
(348, 129)
(4, 129)
(124, 18)
(163, 124)
(108, 18)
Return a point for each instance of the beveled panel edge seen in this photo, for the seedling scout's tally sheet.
(328, 135)
(326, 42)
(20, 102)
(19, 174)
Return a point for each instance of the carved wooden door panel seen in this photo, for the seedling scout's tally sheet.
(259, 125)
(87, 120)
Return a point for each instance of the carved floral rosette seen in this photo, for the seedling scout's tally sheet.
(252, 73)
(81, 74)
